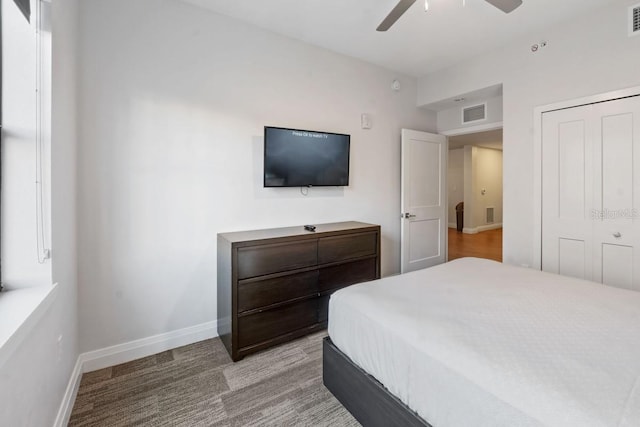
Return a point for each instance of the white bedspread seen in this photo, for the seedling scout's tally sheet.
(478, 343)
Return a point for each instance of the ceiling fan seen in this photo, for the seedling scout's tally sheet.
(504, 5)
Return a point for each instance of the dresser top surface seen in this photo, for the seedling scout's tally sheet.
(274, 233)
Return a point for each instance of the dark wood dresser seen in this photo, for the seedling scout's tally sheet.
(274, 285)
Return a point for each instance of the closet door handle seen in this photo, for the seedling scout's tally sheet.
(617, 235)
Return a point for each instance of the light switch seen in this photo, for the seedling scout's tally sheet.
(365, 120)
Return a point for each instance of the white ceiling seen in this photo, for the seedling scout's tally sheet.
(420, 42)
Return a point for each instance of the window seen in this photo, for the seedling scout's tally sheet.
(1, 104)
(25, 52)
(25, 143)
(25, 8)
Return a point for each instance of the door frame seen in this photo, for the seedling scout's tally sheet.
(467, 131)
(472, 129)
(537, 155)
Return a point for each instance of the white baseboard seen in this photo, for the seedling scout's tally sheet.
(122, 353)
(489, 227)
(64, 413)
(452, 225)
(482, 228)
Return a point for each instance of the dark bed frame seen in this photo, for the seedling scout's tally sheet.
(367, 400)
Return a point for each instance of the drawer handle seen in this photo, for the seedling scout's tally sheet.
(617, 235)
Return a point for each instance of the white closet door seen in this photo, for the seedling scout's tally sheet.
(616, 226)
(567, 182)
(591, 192)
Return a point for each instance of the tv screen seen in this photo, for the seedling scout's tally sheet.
(299, 158)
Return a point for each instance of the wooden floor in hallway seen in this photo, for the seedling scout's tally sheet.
(487, 244)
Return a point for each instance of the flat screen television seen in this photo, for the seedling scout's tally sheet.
(304, 158)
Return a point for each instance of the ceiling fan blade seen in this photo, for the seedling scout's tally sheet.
(395, 14)
(505, 5)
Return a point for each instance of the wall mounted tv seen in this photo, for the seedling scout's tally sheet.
(304, 158)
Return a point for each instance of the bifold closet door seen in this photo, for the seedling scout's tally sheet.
(567, 177)
(591, 192)
(616, 221)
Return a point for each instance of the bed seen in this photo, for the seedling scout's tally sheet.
(478, 343)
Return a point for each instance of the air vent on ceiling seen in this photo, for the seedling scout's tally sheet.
(474, 113)
(634, 20)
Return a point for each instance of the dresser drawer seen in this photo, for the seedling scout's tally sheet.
(323, 309)
(260, 293)
(260, 327)
(265, 259)
(331, 249)
(343, 275)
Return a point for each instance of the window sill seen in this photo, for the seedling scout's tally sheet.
(20, 311)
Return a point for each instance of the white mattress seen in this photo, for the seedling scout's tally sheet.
(476, 342)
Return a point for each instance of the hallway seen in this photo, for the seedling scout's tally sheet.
(487, 244)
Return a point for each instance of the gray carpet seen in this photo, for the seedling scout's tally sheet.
(198, 385)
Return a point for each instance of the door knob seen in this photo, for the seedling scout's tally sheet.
(408, 215)
(617, 235)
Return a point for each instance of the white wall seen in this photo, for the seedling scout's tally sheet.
(488, 177)
(455, 181)
(173, 101)
(589, 54)
(64, 141)
(452, 118)
(482, 169)
(33, 380)
(470, 185)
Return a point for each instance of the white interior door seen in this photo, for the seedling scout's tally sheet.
(423, 200)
